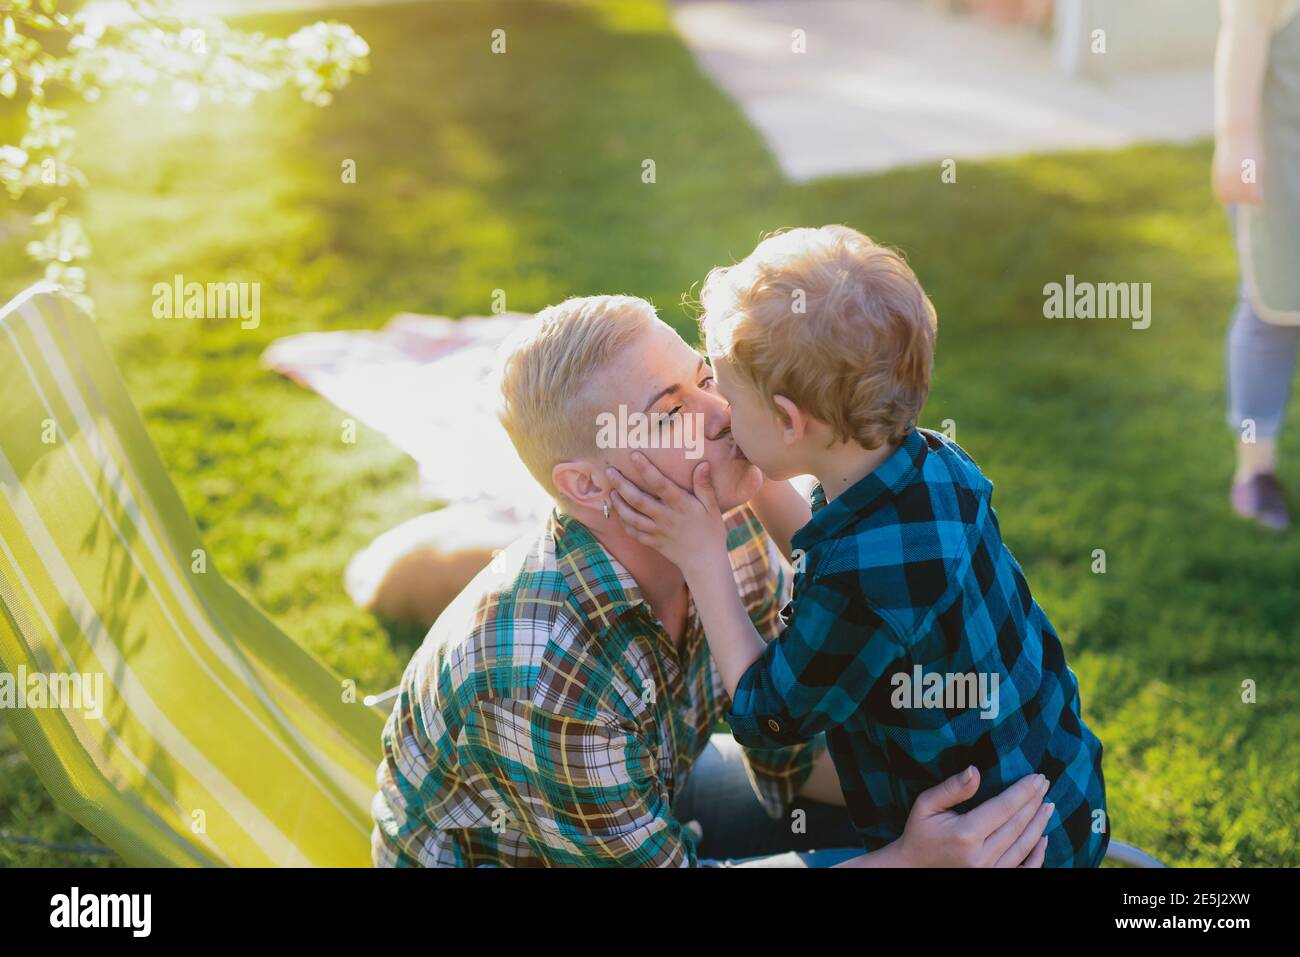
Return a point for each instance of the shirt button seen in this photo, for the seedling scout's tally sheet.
(772, 724)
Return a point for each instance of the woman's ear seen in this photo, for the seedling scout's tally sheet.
(582, 483)
(791, 419)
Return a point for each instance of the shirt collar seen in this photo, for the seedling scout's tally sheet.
(865, 495)
(602, 587)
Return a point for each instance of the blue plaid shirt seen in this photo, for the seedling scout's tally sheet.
(906, 606)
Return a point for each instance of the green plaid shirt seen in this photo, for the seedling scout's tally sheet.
(548, 719)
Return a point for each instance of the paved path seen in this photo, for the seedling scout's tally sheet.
(886, 83)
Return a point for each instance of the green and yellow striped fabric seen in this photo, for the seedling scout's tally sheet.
(215, 738)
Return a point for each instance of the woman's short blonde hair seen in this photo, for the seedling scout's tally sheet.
(546, 405)
(836, 323)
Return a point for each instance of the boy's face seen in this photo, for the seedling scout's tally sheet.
(755, 424)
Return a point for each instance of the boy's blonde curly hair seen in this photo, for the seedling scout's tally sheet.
(833, 321)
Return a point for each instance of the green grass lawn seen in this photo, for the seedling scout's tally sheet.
(523, 173)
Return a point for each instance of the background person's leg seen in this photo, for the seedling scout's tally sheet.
(1261, 362)
(734, 822)
(1261, 370)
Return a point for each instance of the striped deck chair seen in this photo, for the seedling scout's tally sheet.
(216, 740)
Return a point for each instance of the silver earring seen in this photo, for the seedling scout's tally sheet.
(606, 509)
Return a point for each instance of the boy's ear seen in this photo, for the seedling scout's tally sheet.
(582, 483)
(793, 421)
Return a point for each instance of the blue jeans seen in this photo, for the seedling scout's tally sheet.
(1261, 369)
(737, 831)
(1261, 359)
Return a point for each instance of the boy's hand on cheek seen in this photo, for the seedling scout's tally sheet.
(685, 525)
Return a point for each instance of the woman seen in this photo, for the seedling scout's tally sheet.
(1256, 173)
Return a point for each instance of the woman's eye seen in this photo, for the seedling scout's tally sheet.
(669, 415)
(708, 384)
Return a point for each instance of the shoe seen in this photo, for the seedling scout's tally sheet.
(1260, 499)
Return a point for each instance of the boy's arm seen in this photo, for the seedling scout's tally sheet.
(810, 678)
(835, 651)
(733, 640)
(689, 530)
(782, 510)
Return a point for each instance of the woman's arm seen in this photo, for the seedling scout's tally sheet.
(1241, 59)
(823, 785)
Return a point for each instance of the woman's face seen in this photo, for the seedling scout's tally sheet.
(659, 373)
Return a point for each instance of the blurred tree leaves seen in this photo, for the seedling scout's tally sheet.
(54, 48)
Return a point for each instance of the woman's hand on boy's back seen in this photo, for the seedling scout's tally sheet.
(1004, 831)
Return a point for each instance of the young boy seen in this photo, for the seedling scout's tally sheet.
(913, 640)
